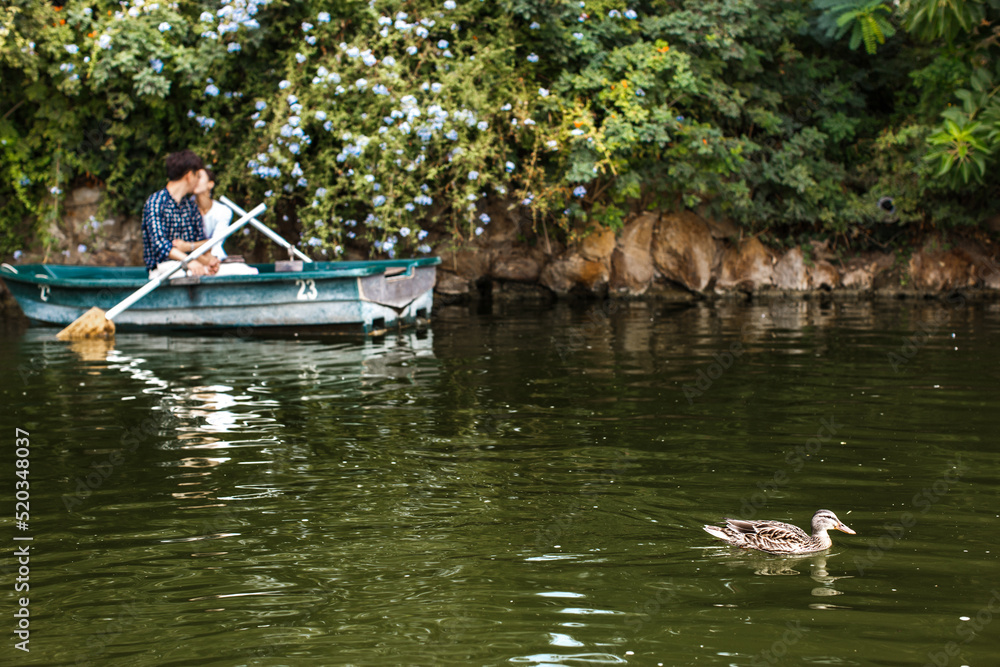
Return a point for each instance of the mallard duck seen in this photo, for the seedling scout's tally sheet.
(780, 538)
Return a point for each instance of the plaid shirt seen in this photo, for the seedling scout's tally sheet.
(164, 220)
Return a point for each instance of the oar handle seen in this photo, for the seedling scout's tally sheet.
(198, 252)
(267, 231)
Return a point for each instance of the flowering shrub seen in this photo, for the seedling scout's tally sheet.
(368, 124)
(393, 125)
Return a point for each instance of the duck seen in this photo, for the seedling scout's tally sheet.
(777, 537)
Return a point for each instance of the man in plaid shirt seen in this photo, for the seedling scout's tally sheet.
(170, 215)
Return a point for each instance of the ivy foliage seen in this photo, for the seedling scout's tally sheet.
(386, 125)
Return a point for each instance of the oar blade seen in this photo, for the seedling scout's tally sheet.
(92, 324)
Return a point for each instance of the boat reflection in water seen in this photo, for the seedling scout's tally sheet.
(215, 396)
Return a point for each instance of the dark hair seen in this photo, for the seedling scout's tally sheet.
(211, 174)
(180, 163)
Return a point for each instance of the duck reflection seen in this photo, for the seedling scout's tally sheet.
(815, 565)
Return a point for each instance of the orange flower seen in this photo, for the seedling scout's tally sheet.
(577, 123)
(663, 49)
(62, 21)
(92, 35)
(704, 141)
(57, 8)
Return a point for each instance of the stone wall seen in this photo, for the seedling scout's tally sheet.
(683, 256)
(676, 256)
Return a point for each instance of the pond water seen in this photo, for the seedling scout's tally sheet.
(515, 487)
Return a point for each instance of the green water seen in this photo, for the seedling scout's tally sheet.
(513, 488)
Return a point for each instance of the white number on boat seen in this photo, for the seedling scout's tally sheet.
(44, 292)
(307, 290)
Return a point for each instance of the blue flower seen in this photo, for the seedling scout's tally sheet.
(156, 64)
(294, 148)
(479, 230)
(544, 92)
(579, 191)
(404, 232)
(378, 200)
(306, 27)
(17, 255)
(261, 105)
(284, 83)
(311, 40)
(614, 13)
(313, 241)
(320, 115)
(72, 48)
(422, 234)
(324, 17)
(328, 125)
(485, 219)
(534, 25)
(532, 58)
(449, 4)
(234, 47)
(211, 90)
(299, 58)
(259, 124)
(578, 35)
(442, 44)
(509, 166)
(163, 27)
(630, 14)
(361, 84)
(207, 17)
(482, 126)
(473, 175)
(411, 50)
(81, 248)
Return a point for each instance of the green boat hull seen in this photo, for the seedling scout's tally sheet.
(323, 296)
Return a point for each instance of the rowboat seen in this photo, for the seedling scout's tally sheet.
(316, 297)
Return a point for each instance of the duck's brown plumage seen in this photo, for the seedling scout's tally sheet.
(778, 537)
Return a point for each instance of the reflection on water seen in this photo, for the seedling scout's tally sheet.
(517, 487)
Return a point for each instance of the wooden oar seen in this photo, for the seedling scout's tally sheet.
(95, 323)
(267, 231)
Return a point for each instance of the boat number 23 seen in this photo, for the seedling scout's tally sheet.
(307, 290)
